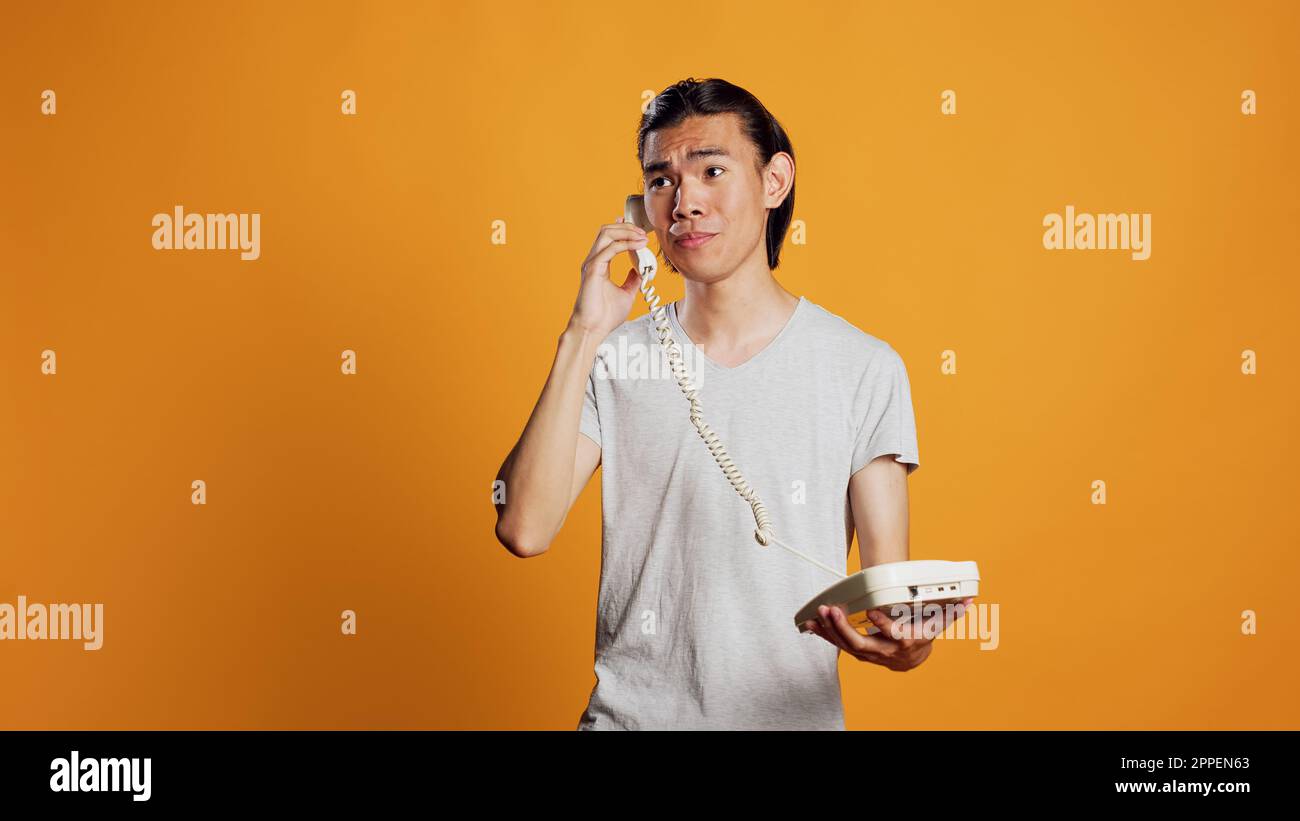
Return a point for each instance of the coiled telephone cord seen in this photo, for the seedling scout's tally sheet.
(763, 533)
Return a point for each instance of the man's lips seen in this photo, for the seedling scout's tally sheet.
(694, 239)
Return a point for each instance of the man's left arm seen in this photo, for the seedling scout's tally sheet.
(878, 495)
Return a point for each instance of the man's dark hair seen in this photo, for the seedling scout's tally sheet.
(691, 97)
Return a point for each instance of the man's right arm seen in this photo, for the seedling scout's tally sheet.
(552, 462)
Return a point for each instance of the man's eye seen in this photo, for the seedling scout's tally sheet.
(654, 182)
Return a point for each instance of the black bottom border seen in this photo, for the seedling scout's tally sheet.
(928, 770)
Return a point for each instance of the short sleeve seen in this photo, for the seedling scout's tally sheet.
(590, 425)
(883, 414)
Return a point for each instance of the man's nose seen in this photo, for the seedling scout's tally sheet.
(690, 201)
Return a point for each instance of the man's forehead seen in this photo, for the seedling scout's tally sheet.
(696, 137)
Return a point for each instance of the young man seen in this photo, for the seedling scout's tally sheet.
(695, 619)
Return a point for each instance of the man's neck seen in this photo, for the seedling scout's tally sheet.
(737, 317)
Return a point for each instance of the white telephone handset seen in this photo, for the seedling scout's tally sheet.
(910, 582)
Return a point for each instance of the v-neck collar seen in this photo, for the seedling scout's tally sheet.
(699, 355)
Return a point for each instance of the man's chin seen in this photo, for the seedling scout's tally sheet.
(701, 277)
(688, 274)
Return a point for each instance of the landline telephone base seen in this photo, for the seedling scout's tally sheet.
(914, 583)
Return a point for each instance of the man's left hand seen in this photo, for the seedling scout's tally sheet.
(900, 655)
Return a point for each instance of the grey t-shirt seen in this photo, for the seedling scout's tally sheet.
(695, 619)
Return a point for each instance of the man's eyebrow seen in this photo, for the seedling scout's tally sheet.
(695, 154)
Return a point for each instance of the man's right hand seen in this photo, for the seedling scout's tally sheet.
(601, 305)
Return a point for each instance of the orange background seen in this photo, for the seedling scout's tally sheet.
(372, 492)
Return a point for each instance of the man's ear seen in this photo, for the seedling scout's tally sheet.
(778, 179)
